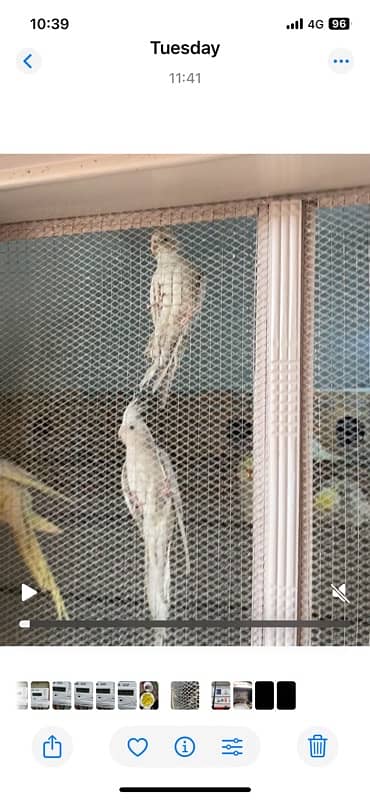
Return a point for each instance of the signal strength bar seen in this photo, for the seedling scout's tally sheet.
(296, 26)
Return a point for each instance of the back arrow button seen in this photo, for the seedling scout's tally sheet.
(29, 60)
(26, 61)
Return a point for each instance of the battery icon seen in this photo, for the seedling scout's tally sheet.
(339, 23)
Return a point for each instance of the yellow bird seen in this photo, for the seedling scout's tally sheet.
(327, 499)
(344, 500)
(17, 513)
(246, 488)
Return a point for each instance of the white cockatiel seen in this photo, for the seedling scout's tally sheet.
(152, 495)
(176, 295)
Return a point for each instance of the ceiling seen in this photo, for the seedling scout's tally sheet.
(16, 161)
(36, 187)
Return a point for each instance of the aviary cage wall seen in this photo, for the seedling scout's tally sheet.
(335, 414)
(277, 357)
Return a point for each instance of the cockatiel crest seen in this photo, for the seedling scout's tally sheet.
(133, 426)
(162, 241)
(176, 296)
(152, 496)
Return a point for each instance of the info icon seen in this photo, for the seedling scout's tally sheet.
(184, 746)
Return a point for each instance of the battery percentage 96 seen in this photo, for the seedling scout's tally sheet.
(339, 23)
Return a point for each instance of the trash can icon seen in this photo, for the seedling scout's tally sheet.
(317, 746)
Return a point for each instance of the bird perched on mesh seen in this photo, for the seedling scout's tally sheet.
(241, 437)
(176, 295)
(17, 513)
(320, 454)
(350, 432)
(152, 496)
(343, 500)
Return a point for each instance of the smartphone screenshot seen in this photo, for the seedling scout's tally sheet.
(184, 400)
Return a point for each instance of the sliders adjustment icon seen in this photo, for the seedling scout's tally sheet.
(232, 747)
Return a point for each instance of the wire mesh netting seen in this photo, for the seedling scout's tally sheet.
(74, 327)
(75, 331)
(341, 422)
(185, 695)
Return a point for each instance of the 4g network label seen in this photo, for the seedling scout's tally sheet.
(195, 49)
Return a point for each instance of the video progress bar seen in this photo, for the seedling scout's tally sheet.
(185, 623)
(185, 789)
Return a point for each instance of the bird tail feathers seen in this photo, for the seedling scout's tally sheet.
(157, 573)
(167, 373)
(17, 512)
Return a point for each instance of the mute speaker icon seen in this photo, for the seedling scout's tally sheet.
(340, 592)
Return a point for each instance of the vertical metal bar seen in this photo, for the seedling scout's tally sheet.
(260, 441)
(277, 430)
(306, 423)
(294, 345)
(273, 545)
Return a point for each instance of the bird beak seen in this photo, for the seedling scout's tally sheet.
(122, 433)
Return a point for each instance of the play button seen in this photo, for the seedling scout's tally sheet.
(27, 592)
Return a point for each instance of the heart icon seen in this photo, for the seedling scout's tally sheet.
(137, 746)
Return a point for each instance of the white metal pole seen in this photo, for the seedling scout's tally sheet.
(280, 265)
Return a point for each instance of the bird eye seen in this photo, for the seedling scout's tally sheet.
(132, 427)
